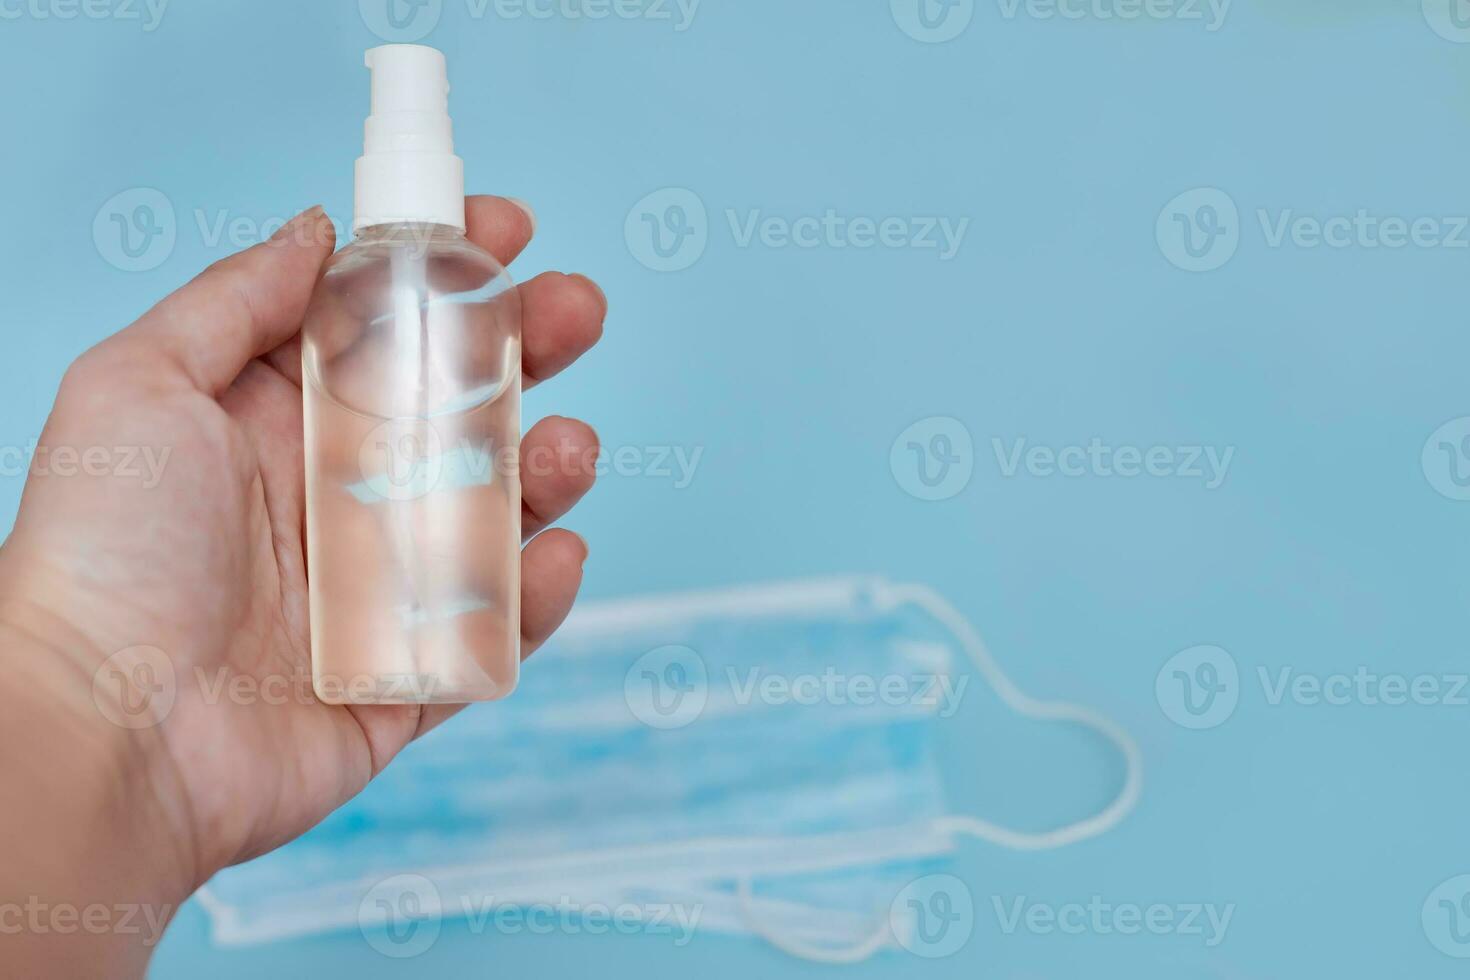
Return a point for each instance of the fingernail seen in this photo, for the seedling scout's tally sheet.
(309, 216)
(527, 209)
(585, 550)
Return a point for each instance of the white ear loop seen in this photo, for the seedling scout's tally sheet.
(888, 596)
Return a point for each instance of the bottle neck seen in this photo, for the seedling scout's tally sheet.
(418, 232)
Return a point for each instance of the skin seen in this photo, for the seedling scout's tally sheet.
(209, 568)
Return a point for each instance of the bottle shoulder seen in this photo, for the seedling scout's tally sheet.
(406, 246)
(412, 323)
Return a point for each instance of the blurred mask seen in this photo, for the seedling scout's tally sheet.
(752, 761)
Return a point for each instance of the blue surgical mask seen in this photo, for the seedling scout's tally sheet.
(764, 755)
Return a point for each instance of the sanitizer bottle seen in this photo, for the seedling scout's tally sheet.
(411, 373)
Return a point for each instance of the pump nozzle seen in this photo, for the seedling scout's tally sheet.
(408, 171)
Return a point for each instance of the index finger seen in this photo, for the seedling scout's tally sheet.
(502, 226)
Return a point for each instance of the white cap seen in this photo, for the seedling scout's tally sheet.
(408, 171)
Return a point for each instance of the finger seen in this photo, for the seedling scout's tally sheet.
(239, 308)
(561, 318)
(551, 574)
(268, 410)
(286, 359)
(561, 315)
(558, 466)
(501, 226)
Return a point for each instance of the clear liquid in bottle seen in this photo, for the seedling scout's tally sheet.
(411, 374)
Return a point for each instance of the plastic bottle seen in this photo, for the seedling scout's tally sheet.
(411, 355)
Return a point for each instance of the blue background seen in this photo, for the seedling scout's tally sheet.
(1062, 318)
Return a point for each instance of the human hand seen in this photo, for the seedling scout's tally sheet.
(201, 562)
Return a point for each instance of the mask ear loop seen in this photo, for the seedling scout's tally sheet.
(855, 953)
(1027, 707)
(887, 596)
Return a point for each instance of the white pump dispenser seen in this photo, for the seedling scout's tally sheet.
(408, 173)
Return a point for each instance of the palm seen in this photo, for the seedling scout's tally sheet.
(207, 562)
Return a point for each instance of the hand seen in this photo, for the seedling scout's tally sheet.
(196, 550)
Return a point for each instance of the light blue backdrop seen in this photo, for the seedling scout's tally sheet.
(1086, 300)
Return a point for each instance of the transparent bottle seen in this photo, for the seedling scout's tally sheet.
(411, 377)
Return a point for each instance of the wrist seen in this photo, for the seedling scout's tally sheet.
(96, 861)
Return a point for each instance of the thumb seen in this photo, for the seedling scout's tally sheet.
(238, 308)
